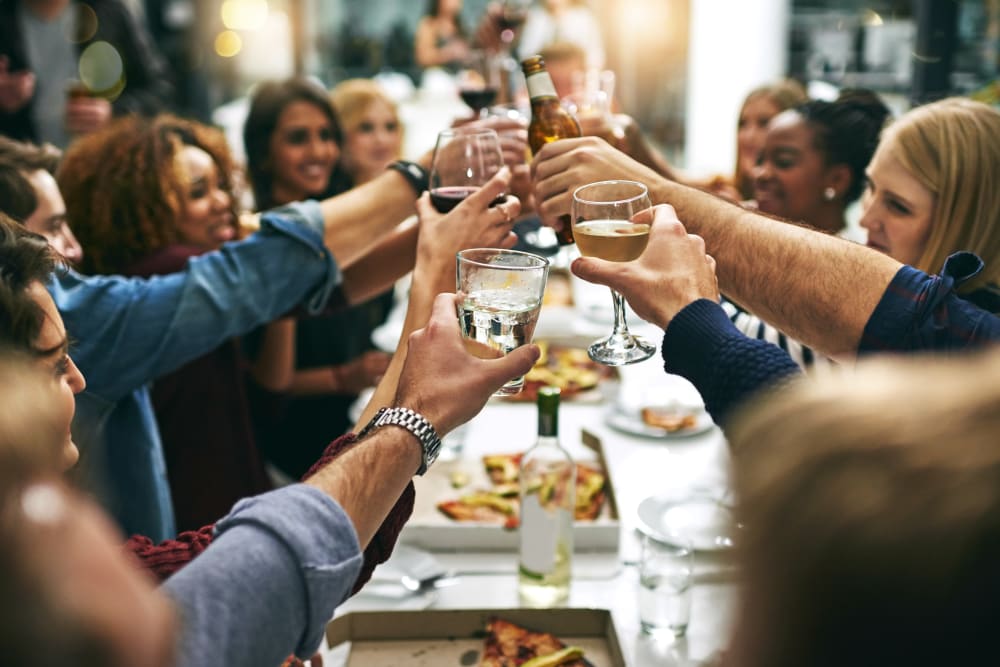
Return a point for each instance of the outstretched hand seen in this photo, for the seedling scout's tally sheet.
(471, 224)
(443, 381)
(672, 272)
(562, 166)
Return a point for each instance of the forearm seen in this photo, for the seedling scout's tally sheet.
(355, 220)
(379, 268)
(816, 288)
(317, 381)
(390, 457)
(426, 286)
(274, 367)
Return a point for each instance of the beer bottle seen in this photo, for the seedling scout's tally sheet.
(550, 121)
(548, 502)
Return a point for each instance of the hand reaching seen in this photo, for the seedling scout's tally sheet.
(672, 272)
(443, 381)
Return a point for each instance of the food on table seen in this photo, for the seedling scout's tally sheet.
(669, 418)
(568, 368)
(499, 504)
(508, 644)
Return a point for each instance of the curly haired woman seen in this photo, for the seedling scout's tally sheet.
(146, 196)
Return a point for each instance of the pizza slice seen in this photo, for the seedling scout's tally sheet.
(510, 645)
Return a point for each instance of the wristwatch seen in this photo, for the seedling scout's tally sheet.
(413, 422)
(414, 174)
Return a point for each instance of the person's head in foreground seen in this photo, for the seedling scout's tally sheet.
(373, 134)
(142, 184)
(932, 187)
(871, 506)
(812, 164)
(292, 138)
(30, 195)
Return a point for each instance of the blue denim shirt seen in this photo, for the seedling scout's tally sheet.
(128, 332)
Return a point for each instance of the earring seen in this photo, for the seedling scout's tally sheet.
(829, 194)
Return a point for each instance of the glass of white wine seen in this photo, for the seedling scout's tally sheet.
(605, 226)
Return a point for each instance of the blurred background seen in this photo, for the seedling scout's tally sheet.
(683, 66)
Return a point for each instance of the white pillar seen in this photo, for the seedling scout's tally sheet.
(735, 45)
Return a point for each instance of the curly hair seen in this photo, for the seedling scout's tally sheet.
(124, 192)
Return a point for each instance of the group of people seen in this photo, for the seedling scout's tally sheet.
(174, 343)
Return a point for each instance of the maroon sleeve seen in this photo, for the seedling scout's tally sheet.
(171, 555)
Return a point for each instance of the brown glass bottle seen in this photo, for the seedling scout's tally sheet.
(550, 121)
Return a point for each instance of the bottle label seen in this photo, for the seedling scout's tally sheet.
(540, 85)
(540, 533)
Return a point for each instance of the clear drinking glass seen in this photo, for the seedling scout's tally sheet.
(500, 294)
(605, 226)
(666, 574)
(464, 160)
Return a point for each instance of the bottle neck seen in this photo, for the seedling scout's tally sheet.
(548, 425)
(540, 85)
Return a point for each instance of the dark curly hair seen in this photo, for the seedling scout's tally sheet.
(123, 191)
(847, 131)
(25, 258)
(267, 103)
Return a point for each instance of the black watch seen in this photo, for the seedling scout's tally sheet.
(414, 174)
(415, 423)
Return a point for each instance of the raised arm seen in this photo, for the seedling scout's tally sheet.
(816, 288)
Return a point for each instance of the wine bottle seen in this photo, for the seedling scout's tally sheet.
(548, 499)
(550, 121)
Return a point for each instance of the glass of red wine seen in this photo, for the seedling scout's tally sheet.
(479, 81)
(464, 160)
(512, 16)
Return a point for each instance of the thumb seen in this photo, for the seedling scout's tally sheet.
(598, 271)
(514, 364)
(424, 206)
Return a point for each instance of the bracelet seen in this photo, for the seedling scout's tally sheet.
(414, 174)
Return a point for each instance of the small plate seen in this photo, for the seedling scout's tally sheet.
(705, 521)
(631, 423)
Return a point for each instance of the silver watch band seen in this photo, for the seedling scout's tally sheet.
(413, 422)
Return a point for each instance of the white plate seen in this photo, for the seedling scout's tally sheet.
(703, 520)
(631, 422)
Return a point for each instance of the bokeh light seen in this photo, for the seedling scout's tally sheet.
(244, 14)
(228, 44)
(102, 70)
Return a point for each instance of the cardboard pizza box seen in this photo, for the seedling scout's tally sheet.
(455, 636)
(430, 529)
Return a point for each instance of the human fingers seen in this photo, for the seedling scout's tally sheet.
(493, 188)
(426, 210)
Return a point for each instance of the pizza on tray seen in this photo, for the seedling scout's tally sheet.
(499, 504)
(510, 645)
(569, 368)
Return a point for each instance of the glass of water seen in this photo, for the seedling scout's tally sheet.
(666, 574)
(500, 294)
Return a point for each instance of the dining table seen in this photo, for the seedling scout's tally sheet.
(640, 467)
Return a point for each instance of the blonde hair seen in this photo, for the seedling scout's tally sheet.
(952, 147)
(783, 95)
(871, 506)
(352, 98)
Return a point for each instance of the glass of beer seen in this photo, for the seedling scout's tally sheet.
(605, 225)
(500, 294)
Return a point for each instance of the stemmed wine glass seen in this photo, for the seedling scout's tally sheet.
(513, 14)
(479, 81)
(464, 160)
(605, 225)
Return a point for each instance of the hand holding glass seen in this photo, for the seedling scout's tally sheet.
(500, 294)
(605, 225)
(464, 160)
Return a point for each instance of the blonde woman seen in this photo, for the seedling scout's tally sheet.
(373, 134)
(932, 191)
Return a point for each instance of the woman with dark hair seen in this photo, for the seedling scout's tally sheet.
(440, 40)
(148, 195)
(811, 168)
(293, 144)
(814, 158)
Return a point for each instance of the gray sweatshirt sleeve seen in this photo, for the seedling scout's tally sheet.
(279, 565)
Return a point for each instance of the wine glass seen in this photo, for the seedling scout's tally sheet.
(605, 226)
(464, 160)
(513, 14)
(479, 81)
